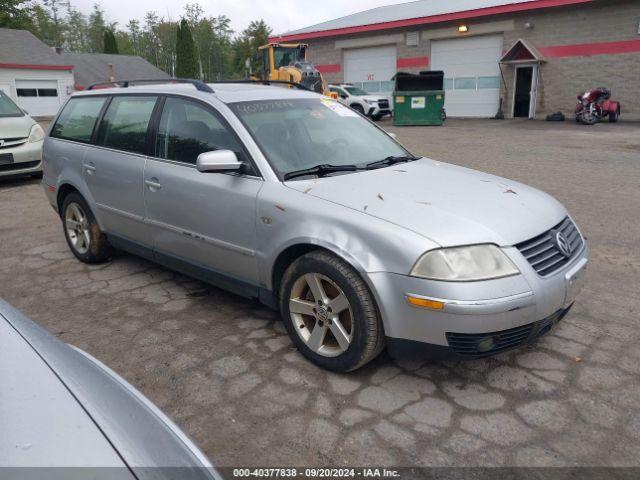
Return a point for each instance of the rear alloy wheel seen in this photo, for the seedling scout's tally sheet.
(83, 234)
(329, 313)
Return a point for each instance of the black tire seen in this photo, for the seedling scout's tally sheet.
(376, 118)
(99, 249)
(358, 108)
(366, 327)
(614, 116)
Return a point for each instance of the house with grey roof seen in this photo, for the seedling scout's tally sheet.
(39, 79)
(90, 68)
(32, 74)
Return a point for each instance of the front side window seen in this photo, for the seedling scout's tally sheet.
(356, 91)
(78, 118)
(124, 126)
(303, 133)
(188, 129)
(8, 108)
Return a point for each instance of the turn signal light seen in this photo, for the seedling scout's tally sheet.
(425, 303)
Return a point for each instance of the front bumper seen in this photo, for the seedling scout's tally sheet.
(24, 159)
(477, 311)
(376, 110)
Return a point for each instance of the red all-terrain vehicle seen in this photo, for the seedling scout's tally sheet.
(595, 105)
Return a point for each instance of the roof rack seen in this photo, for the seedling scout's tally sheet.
(269, 82)
(200, 85)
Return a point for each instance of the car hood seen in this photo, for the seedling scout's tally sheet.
(372, 98)
(43, 425)
(448, 204)
(15, 127)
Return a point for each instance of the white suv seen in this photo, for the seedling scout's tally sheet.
(373, 106)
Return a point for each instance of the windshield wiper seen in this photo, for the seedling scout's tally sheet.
(320, 170)
(392, 160)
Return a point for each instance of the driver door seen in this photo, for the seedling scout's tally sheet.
(202, 223)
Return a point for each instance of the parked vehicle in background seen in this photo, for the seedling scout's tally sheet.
(63, 408)
(294, 199)
(596, 105)
(20, 140)
(373, 106)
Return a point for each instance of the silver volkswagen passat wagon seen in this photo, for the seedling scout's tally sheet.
(294, 199)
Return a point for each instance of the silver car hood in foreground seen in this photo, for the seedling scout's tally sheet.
(59, 407)
(448, 204)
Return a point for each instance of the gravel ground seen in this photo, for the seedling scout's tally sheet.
(223, 368)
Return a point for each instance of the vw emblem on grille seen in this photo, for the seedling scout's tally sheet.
(563, 244)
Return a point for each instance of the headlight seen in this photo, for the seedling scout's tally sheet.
(464, 264)
(371, 102)
(36, 134)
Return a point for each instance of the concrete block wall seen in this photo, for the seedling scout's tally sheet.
(561, 78)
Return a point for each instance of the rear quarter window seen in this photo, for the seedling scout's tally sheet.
(78, 118)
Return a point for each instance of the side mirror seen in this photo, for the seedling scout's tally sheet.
(392, 135)
(344, 97)
(218, 161)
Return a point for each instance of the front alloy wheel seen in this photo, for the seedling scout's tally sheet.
(321, 315)
(330, 313)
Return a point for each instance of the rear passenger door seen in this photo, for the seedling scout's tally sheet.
(202, 223)
(114, 167)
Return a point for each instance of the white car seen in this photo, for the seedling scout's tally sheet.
(21, 141)
(373, 106)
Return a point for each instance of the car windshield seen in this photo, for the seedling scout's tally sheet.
(356, 91)
(8, 108)
(304, 133)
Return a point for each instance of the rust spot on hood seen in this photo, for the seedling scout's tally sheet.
(281, 208)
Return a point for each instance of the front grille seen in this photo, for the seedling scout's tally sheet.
(469, 344)
(12, 142)
(18, 166)
(542, 252)
(383, 104)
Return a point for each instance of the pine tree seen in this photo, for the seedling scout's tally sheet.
(186, 57)
(110, 45)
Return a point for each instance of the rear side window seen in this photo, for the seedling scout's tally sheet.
(78, 118)
(124, 125)
(188, 129)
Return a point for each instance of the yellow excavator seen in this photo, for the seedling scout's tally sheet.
(287, 62)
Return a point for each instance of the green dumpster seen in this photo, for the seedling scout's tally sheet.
(419, 99)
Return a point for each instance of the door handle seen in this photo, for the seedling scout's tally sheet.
(153, 184)
(90, 168)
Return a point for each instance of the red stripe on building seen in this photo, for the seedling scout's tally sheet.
(36, 67)
(446, 17)
(586, 49)
(334, 68)
(412, 62)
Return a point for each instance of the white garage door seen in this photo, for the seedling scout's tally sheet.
(371, 68)
(38, 97)
(472, 74)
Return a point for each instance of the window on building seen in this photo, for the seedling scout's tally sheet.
(188, 129)
(27, 92)
(465, 83)
(47, 92)
(488, 83)
(124, 126)
(77, 120)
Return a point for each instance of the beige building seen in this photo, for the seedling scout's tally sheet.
(531, 56)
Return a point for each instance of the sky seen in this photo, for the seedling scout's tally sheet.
(281, 15)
